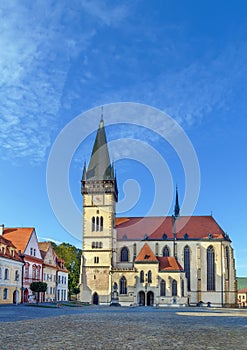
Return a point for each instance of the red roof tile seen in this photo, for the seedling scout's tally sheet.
(19, 236)
(169, 263)
(6, 253)
(146, 255)
(244, 290)
(195, 227)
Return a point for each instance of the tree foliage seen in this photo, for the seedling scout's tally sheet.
(72, 260)
(38, 287)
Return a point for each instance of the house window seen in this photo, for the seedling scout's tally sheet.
(149, 276)
(31, 251)
(162, 288)
(142, 276)
(187, 265)
(166, 251)
(5, 293)
(16, 275)
(174, 288)
(123, 285)
(124, 254)
(26, 271)
(210, 268)
(6, 274)
(34, 252)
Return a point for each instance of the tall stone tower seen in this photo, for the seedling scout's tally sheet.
(100, 194)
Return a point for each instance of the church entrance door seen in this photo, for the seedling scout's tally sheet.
(95, 299)
(150, 298)
(141, 299)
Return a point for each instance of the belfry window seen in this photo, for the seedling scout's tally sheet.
(210, 268)
(97, 223)
(93, 223)
(123, 285)
(124, 254)
(101, 223)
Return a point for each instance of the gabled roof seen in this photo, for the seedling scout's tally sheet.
(146, 255)
(169, 263)
(160, 228)
(44, 246)
(19, 236)
(244, 291)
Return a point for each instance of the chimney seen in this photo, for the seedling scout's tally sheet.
(1, 229)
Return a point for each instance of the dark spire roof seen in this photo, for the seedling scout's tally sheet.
(99, 167)
(176, 208)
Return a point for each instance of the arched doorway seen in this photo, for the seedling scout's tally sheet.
(150, 298)
(16, 297)
(25, 295)
(141, 298)
(95, 299)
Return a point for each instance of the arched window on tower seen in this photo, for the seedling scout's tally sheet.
(101, 223)
(124, 254)
(187, 265)
(142, 276)
(166, 251)
(97, 223)
(210, 268)
(123, 285)
(93, 223)
(162, 288)
(174, 288)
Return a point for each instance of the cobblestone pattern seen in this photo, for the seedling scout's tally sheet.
(111, 330)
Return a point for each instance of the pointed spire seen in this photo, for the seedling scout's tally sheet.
(176, 208)
(99, 167)
(84, 174)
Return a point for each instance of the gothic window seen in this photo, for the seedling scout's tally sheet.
(174, 288)
(97, 223)
(149, 276)
(142, 276)
(6, 274)
(166, 251)
(124, 254)
(182, 288)
(210, 268)
(187, 265)
(96, 259)
(101, 223)
(123, 285)
(93, 223)
(0, 273)
(157, 249)
(162, 288)
(227, 262)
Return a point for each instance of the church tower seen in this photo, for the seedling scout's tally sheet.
(100, 194)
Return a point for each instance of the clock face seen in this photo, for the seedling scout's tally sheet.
(97, 199)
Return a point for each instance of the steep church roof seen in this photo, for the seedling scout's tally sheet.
(99, 167)
(169, 263)
(161, 228)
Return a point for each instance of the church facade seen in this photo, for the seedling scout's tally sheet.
(148, 261)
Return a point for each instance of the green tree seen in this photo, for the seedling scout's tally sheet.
(76, 291)
(38, 287)
(72, 260)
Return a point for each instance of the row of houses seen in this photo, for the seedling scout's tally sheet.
(24, 260)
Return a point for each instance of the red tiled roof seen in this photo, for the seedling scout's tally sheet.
(146, 255)
(6, 253)
(244, 290)
(196, 227)
(169, 263)
(19, 236)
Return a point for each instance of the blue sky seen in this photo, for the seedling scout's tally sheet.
(186, 58)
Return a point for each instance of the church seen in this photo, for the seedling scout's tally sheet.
(148, 261)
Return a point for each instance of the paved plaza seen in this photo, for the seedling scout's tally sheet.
(95, 327)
